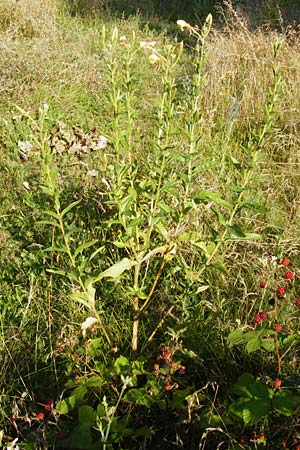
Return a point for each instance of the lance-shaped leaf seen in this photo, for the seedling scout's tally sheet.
(200, 196)
(116, 270)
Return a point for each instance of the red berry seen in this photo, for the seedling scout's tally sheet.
(262, 284)
(277, 327)
(297, 302)
(243, 439)
(280, 291)
(297, 447)
(261, 436)
(49, 405)
(166, 354)
(257, 318)
(168, 387)
(40, 415)
(277, 383)
(263, 315)
(285, 261)
(289, 275)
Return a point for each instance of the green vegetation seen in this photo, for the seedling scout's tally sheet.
(149, 223)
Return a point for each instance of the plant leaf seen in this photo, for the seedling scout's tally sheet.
(251, 410)
(69, 207)
(200, 195)
(116, 270)
(236, 337)
(84, 246)
(285, 403)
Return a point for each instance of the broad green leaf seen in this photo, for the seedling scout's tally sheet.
(139, 397)
(236, 337)
(178, 398)
(79, 439)
(253, 345)
(66, 405)
(137, 292)
(62, 407)
(210, 248)
(265, 332)
(138, 366)
(289, 339)
(268, 345)
(171, 186)
(94, 382)
(251, 410)
(242, 391)
(241, 388)
(87, 417)
(95, 347)
(116, 270)
(122, 365)
(101, 410)
(80, 392)
(250, 335)
(221, 218)
(285, 403)
(260, 390)
(246, 379)
(210, 420)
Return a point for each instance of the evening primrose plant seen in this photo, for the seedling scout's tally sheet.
(152, 215)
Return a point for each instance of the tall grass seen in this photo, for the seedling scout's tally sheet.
(149, 185)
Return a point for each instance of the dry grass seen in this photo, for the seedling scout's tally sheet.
(29, 18)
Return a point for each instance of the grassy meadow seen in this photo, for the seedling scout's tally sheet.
(149, 228)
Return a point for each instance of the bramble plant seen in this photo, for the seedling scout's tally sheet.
(275, 331)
